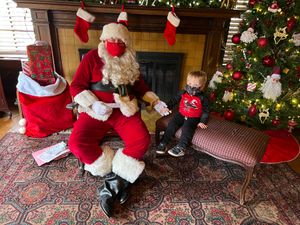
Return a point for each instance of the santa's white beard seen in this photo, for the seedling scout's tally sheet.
(119, 70)
(271, 89)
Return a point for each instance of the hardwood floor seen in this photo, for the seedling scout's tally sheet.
(6, 124)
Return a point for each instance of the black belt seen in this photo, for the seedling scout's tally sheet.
(121, 89)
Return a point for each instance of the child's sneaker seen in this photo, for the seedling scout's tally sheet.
(161, 149)
(176, 151)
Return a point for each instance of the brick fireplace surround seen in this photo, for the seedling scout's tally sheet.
(199, 35)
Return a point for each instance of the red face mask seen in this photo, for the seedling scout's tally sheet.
(115, 48)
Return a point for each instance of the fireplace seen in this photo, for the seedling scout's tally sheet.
(161, 71)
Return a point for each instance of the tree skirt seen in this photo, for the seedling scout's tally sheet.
(282, 147)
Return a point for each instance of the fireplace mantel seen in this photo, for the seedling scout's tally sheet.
(49, 15)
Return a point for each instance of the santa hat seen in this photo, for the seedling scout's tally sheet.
(276, 72)
(117, 30)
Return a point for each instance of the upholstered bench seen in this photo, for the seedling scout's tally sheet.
(226, 141)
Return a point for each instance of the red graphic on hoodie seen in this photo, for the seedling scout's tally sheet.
(190, 106)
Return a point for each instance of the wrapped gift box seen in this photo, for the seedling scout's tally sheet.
(40, 63)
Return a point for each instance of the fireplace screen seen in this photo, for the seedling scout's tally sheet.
(161, 71)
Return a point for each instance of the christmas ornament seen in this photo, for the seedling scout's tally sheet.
(228, 96)
(271, 88)
(237, 75)
(212, 96)
(236, 38)
(262, 42)
(274, 7)
(252, 110)
(268, 61)
(83, 23)
(251, 87)
(280, 34)
(248, 36)
(294, 101)
(123, 18)
(278, 107)
(291, 124)
(275, 121)
(296, 39)
(217, 78)
(291, 23)
(229, 114)
(229, 66)
(252, 3)
(263, 115)
(171, 25)
(243, 118)
(228, 4)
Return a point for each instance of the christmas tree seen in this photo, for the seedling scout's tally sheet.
(261, 85)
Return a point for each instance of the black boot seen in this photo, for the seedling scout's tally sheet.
(125, 193)
(112, 187)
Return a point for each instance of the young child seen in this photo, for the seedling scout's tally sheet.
(193, 112)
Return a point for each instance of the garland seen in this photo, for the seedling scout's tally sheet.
(228, 4)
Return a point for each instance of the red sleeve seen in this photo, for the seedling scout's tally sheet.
(140, 87)
(83, 75)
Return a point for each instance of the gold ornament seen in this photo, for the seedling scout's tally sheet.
(280, 34)
(228, 4)
(294, 101)
(263, 115)
(285, 70)
(277, 107)
(243, 118)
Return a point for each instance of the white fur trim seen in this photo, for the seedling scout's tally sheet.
(276, 76)
(173, 19)
(85, 98)
(127, 167)
(128, 107)
(117, 31)
(101, 166)
(85, 15)
(27, 85)
(122, 17)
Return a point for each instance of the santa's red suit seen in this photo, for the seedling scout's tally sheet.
(95, 81)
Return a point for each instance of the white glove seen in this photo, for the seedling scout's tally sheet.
(101, 109)
(162, 108)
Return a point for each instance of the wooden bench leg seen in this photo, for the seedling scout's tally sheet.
(249, 173)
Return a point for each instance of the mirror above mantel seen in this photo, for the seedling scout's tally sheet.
(50, 17)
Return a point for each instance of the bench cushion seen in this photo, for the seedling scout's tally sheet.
(230, 142)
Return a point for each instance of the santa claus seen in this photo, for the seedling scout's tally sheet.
(106, 87)
(271, 88)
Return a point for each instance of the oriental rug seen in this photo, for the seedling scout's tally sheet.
(194, 189)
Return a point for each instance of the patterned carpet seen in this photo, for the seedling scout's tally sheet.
(195, 189)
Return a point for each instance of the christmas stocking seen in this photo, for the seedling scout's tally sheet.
(83, 23)
(170, 30)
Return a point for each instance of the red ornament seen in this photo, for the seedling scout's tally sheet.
(229, 66)
(274, 5)
(212, 96)
(237, 75)
(236, 38)
(298, 71)
(252, 3)
(262, 42)
(229, 114)
(291, 24)
(276, 121)
(268, 61)
(252, 110)
(249, 52)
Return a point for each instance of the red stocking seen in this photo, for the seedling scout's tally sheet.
(83, 23)
(170, 30)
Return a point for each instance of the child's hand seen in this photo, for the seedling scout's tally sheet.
(202, 125)
(162, 108)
